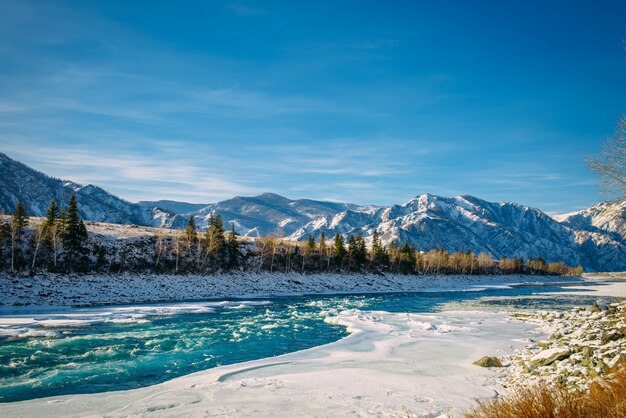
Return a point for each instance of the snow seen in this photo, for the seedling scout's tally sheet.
(613, 288)
(389, 364)
(68, 290)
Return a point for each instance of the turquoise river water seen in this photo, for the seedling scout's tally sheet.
(86, 350)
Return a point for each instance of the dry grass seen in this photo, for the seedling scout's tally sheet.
(606, 398)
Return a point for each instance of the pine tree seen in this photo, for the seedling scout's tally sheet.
(360, 251)
(20, 218)
(51, 214)
(18, 223)
(49, 225)
(43, 233)
(375, 247)
(190, 232)
(214, 237)
(311, 243)
(62, 220)
(339, 249)
(233, 247)
(351, 250)
(74, 236)
(5, 234)
(322, 243)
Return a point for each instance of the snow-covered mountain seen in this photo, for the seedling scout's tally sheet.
(18, 181)
(604, 218)
(265, 214)
(594, 238)
(501, 229)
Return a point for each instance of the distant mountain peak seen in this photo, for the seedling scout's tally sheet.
(594, 237)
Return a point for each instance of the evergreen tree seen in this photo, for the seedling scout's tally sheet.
(190, 232)
(62, 220)
(20, 218)
(311, 243)
(233, 247)
(375, 247)
(74, 237)
(5, 234)
(360, 250)
(351, 250)
(378, 254)
(214, 237)
(407, 257)
(339, 249)
(322, 243)
(52, 213)
(19, 221)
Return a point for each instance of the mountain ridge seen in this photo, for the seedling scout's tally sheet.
(594, 237)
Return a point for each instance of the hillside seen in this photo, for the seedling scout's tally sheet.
(18, 181)
(594, 238)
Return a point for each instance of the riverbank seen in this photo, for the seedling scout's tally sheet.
(583, 344)
(48, 289)
(390, 363)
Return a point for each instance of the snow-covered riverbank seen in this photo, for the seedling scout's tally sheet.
(389, 363)
(82, 290)
(584, 343)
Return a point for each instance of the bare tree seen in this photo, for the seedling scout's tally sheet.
(160, 247)
(262, 244)
(611, 163)
(177, 251)
(485, 262)
(37, 235)
(199, 256)
(56, 238)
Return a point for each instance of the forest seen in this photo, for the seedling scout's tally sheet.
(62, 243)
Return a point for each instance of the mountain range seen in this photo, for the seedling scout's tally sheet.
(594, 238)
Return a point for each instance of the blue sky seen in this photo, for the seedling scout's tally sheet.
(367, 102)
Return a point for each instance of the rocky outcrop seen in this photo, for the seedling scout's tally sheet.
(584, 344)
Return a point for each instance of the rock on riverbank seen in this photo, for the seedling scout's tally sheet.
(584, 344)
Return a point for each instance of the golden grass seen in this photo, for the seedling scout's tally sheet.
(606, 398)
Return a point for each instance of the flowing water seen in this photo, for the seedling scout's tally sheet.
(85, 350)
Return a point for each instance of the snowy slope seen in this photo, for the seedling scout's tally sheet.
(594, 238)
(604, 218)
(18, 181)
(466, 222)
(269, 213)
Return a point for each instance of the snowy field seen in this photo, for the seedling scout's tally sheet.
(67, 290)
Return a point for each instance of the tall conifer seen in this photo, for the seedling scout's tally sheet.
(74, 236)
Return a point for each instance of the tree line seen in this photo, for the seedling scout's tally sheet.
(58, 243)
(61, 243)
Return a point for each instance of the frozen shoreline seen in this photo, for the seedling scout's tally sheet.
(91, 290)
(390, 362)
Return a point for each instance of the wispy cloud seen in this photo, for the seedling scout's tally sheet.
(364, 111)
(243, 9)
(132, 174)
